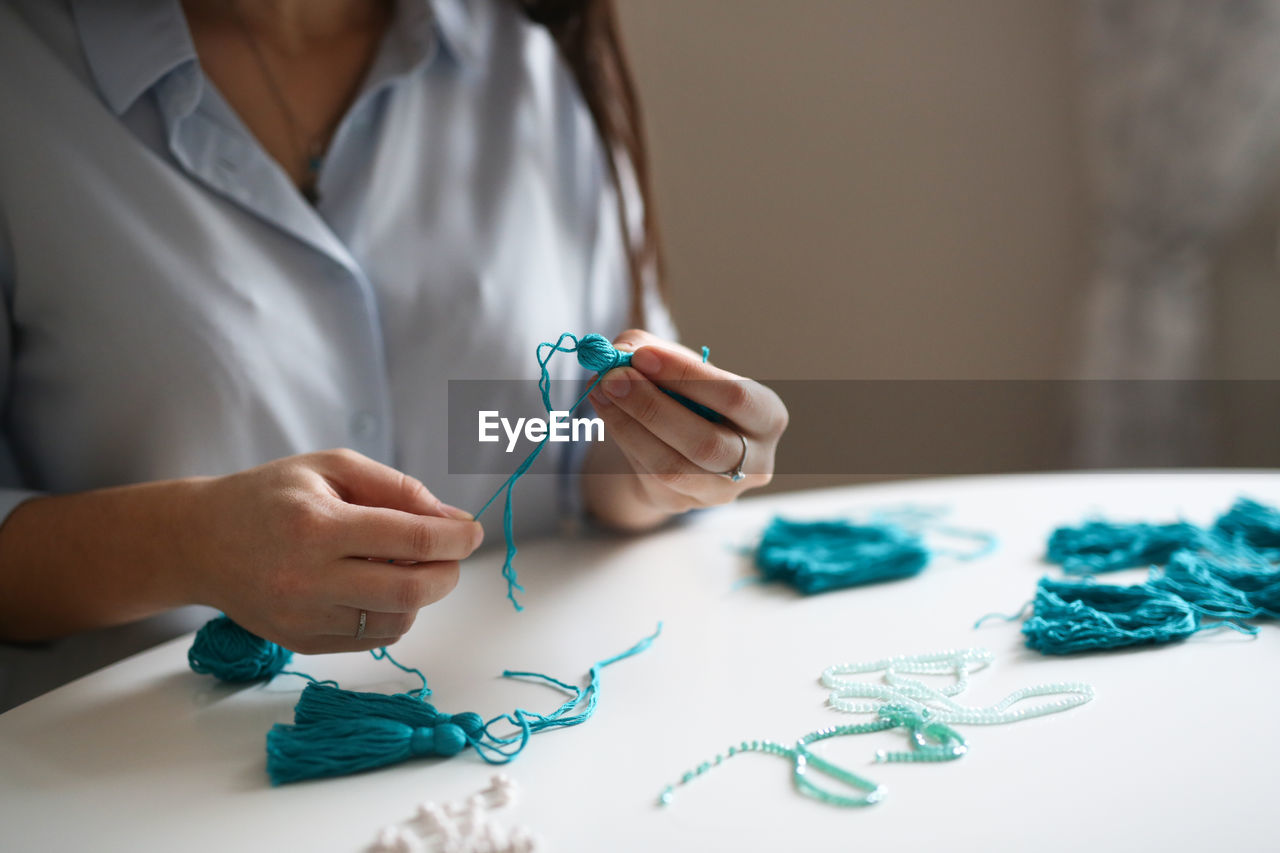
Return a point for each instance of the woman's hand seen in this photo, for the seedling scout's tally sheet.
(292, 550)
(673, 459)
(295, 549)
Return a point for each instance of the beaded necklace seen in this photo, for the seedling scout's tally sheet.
(925, 713)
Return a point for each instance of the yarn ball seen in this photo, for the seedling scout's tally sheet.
(230, 653)
(597, 354)
(817, 556)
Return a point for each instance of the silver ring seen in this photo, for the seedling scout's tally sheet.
(364, 618)
(736, 474)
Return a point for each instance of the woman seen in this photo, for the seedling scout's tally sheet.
(234, 234)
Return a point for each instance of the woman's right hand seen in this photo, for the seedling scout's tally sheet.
(292, 550)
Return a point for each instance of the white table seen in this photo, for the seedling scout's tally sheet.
(1177, 752)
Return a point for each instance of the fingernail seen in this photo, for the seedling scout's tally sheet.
(456, 513)
(616, 386)
(646, 362)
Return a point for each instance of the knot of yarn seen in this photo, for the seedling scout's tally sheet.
(230, 653)
(471, 723)
(597, 354)
(445, 739)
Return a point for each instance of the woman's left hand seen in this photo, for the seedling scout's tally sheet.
(673, 459)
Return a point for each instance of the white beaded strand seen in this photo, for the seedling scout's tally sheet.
(895, 688)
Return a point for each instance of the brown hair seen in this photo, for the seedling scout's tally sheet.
(586, 32)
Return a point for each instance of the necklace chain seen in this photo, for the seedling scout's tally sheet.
(308, 148)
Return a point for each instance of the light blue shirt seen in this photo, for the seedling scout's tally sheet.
(172, 306)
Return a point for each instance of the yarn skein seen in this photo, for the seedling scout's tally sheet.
(1078, 616)
(1103, 546)
(817, 556)
(1200, 578)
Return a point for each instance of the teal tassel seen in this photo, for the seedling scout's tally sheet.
(230, 653)
(322, 702)
(340, 746)
(817, 556)
(1081, 616)
(1103, 546)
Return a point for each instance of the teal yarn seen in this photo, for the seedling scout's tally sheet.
(580, 706)
(1225, 575)
(1103, 546)
(320, 702)
(597, 354)
(336, 732)
(230, 653)
(1252, 523)
(818, 556)
(1081, 616)
(338, 747)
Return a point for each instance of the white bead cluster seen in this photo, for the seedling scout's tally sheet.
(896, 688)
(460, 826)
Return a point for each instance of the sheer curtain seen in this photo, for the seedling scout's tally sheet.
(1183, 119)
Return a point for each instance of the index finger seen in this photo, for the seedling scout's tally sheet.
(390, 534)
(749, 405)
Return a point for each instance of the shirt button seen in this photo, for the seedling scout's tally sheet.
(363, 425)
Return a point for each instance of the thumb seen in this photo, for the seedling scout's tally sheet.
(367, 482)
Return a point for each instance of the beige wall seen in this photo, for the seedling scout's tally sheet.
(866, 188)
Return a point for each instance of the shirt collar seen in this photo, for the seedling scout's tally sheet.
(456, 25)
(131, 45)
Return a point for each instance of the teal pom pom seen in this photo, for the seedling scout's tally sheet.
(817, 556)
(597, 354)
(230, 653)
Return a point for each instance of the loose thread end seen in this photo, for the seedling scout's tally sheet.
(1004, 617)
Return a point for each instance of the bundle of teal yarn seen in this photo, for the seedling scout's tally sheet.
(821, 555)
(1224, 575)
(817, 556)
(336, 732)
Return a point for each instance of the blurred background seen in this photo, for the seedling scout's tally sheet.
(979, 190)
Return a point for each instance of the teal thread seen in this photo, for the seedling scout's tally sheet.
(594, 353)
(817, 556)
(1103, 546)
(336, 731)
(1223, 576)
(597, 354)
